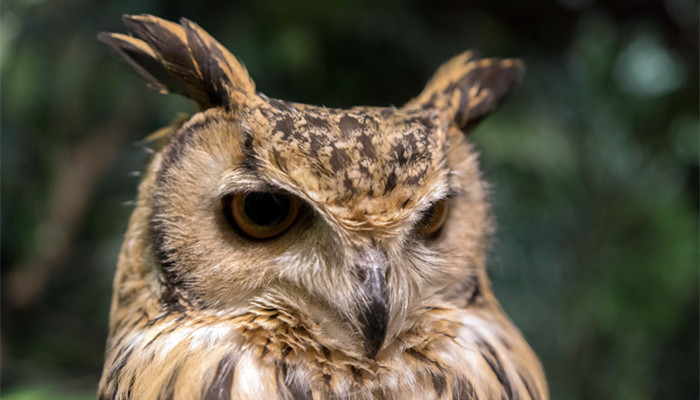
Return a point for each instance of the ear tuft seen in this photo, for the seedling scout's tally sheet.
(181, 59)
(469, 88)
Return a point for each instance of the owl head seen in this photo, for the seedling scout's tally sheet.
(349, 222)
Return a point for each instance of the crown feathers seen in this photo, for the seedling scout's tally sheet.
(182, 59)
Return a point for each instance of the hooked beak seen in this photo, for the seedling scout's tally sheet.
(375, 315)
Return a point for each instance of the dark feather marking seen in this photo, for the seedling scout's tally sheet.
(168, 331)
(339, 159)
(317, 122)
(125, 297)
(417, 178)
(281, 162)
(281, 105)
(170, 280)
(390, 183)
(128, 328)
(113, 393)
(430, 104)
(316, 143)
(222, 81)
(475, 294)
(423, 358)
(349, 124)
(386, 112)
(120, 362)
(285, 125)
(439, 383)
(495, 364)
(162, 316)
(221, 385)
(504, 341)
(439, 378)
(370, 121)
(121, 324)
(150, 342)
(214, 79)
(347, 183)
(265, 350)
(130, 388)
(367, 146)
(496, 80)
(169, 388)
(181, 140)
(173, 285)
(280, 374)
(534, 395)
(161, 38)
(357, 376)
(464, 391)
(298, 391)
(421, 119)
(250, 161)
(148, 67)
(174, 54)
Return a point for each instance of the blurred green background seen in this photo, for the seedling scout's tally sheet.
(593, 161)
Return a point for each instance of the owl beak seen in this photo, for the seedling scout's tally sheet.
(375, 314)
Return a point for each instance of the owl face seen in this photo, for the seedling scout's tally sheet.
(360, 213)
(355, 221)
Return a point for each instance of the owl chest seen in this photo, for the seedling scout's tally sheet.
(185, 361)
(412, 374)
(476, 360)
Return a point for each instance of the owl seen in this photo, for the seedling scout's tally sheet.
(280, 250)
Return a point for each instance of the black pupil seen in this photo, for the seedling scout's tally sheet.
(266, 209)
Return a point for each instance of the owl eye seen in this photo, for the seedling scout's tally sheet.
(433, 219)
(261, 215)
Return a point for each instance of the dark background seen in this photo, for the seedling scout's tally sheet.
(593, 161)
